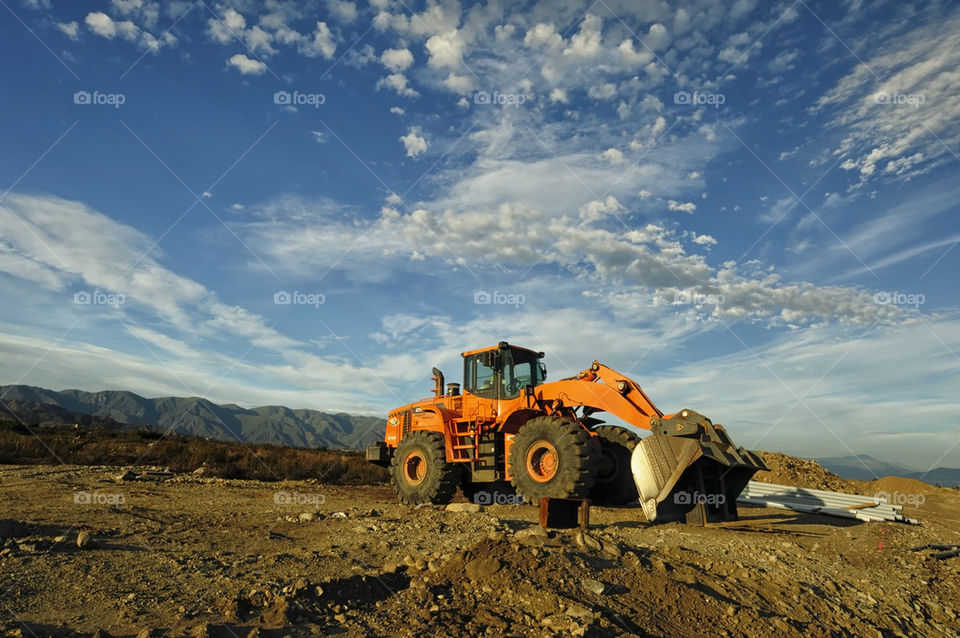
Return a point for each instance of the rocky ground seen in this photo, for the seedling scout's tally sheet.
(180, 554)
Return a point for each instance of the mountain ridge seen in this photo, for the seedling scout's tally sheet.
(196, 416)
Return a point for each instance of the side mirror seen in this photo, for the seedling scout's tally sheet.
(543, 370)
(490, 359)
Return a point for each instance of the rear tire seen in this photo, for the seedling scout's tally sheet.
(615, 484)
(419, 470)
(552, 457)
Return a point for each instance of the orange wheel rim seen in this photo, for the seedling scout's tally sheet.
(542, 461)
(415, 468)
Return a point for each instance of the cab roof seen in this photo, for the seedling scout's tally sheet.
(503, 345)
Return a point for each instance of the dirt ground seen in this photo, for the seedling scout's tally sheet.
(186, 555)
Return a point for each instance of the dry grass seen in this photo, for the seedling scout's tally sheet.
(52, 445)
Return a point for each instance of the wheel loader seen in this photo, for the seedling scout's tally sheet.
(511, 431)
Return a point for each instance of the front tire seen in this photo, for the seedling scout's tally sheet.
(419, 470)
(615, 484)
(552, 457)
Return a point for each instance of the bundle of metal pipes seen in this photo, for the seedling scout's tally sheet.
(800, 499)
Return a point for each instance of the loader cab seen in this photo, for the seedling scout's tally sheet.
(502, 372)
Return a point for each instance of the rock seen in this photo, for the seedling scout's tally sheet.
(85, 539)
(306, 516)
(60, 539)
(390, 568)
(126, 475)
(420, 565)
(200, 471)
(586, 540)
(480, 568)
(594, 586)
(433, 565)
(472, 508)
(612, 548)
(409, 561)
(528, 532)
(254, 633)
(577, 610)
(27, 548)
(731, 610)
(340, 618)
(338, 515)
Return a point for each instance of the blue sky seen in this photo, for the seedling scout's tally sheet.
(749, 207)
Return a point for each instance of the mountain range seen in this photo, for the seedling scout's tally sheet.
(192, 416)
(866, 468)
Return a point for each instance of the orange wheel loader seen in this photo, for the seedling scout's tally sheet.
(510, 430)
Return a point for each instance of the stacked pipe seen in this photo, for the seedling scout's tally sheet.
(801, 499)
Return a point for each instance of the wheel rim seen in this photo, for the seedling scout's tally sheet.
(415, 468)
(542, 461)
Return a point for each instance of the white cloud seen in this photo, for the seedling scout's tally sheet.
(599, 209)
(414, 143)
(247, 66)
(613, 155)
(320, 137)
(343, 10)
(688, 207)
(323, 43)
(398, 82)
(603, 91)
(105, 26)
(396, 110)
(397, 60)
(543, 35)
(70, 29)
(586, 44)
(558, 96)
(446, 50)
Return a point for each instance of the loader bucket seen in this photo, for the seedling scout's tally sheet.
(689, 470)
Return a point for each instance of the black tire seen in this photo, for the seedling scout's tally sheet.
(552, 457)
(419, 471)
(615, 484)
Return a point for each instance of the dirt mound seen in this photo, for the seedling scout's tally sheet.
(788, 470)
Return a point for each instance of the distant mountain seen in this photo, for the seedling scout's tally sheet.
(195, 416)
(867, 468)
